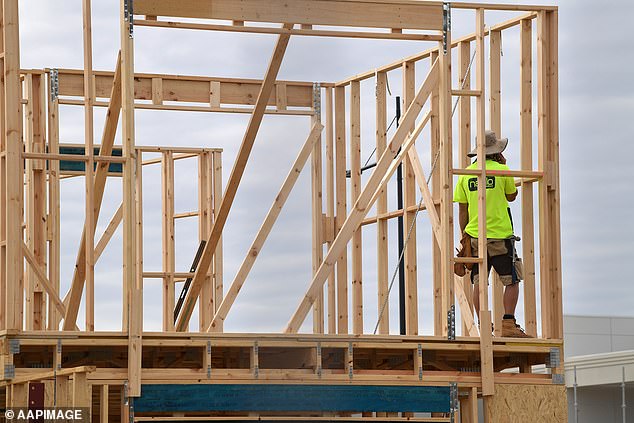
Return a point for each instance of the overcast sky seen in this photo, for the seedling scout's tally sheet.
(596, 146)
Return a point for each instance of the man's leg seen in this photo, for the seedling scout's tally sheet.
(511, 295)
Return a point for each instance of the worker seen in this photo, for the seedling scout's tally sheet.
(501, 253)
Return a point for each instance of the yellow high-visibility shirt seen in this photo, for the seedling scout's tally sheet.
(498, 218)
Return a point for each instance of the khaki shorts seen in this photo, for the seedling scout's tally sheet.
(500, 257)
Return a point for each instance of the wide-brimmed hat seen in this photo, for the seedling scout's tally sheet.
(492, 145)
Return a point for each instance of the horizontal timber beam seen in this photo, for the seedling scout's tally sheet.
(180, 88)
(301, 32)
(356, 13)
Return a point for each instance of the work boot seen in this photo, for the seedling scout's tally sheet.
(510, 329)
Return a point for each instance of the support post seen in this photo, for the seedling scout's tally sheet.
(169, 262)
(53, 218)
(446, 179)
(409, 199)
(12, 170)
(131, 282)
(526, 147)
(340, 180)
(355, 188)
(486, 346)
(464, 146)
(495, 119)
(381, 209)
(91, 218)
(317, 208)
(330, 207)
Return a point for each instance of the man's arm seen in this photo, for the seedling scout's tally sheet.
(463, 215)
(512, 197)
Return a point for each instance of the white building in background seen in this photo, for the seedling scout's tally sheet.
(599, 356)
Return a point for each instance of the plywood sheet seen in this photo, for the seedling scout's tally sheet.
(527, 404)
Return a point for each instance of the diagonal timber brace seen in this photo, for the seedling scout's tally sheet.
(234, 179)
(265, 229)
(385, 166)
(73, 297)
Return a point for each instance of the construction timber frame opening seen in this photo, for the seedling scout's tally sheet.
(339, 371)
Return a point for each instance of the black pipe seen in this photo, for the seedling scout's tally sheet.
(401, 235)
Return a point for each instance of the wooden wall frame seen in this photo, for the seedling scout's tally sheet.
(40, 324)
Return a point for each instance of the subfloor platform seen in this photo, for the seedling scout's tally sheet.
(276, 360)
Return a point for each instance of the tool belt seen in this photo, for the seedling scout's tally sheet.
(460, 269)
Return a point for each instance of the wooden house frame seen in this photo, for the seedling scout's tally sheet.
(119, 374)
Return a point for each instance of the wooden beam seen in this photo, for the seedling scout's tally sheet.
(355, 13)
(103, 404)
(342, 208)
(168, 244)
(368, 195)
(495, 124)
(53, 218)
(13, 168)
(355, 191)
(234, 180)
(208, 90)
(526, 158)
(40, 273)
(73, 298)
(317, 209)
(132, 283)
(207, 306)
(35, 207)
(381, 208)
(409, 229)
(486, 350)
(218, 273)
(439, 318)
(265, 228)
(330, 206)
(108, 232)
(90, 219)
(464, 146)
(301, 32)
(445, 162)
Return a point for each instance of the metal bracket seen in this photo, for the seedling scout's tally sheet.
(350, 361)
(446, 25)
(9, 371)
(14, 346)
(453, 400)
(558, 379)
(125, 393)
(319, 367)
(128, 15)
(554, 358)
(317, 99)
(59, 351)
(451, 323)
(54, 78)
(256, 367)
(209, 355)
(131, 410)
(420, 355)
